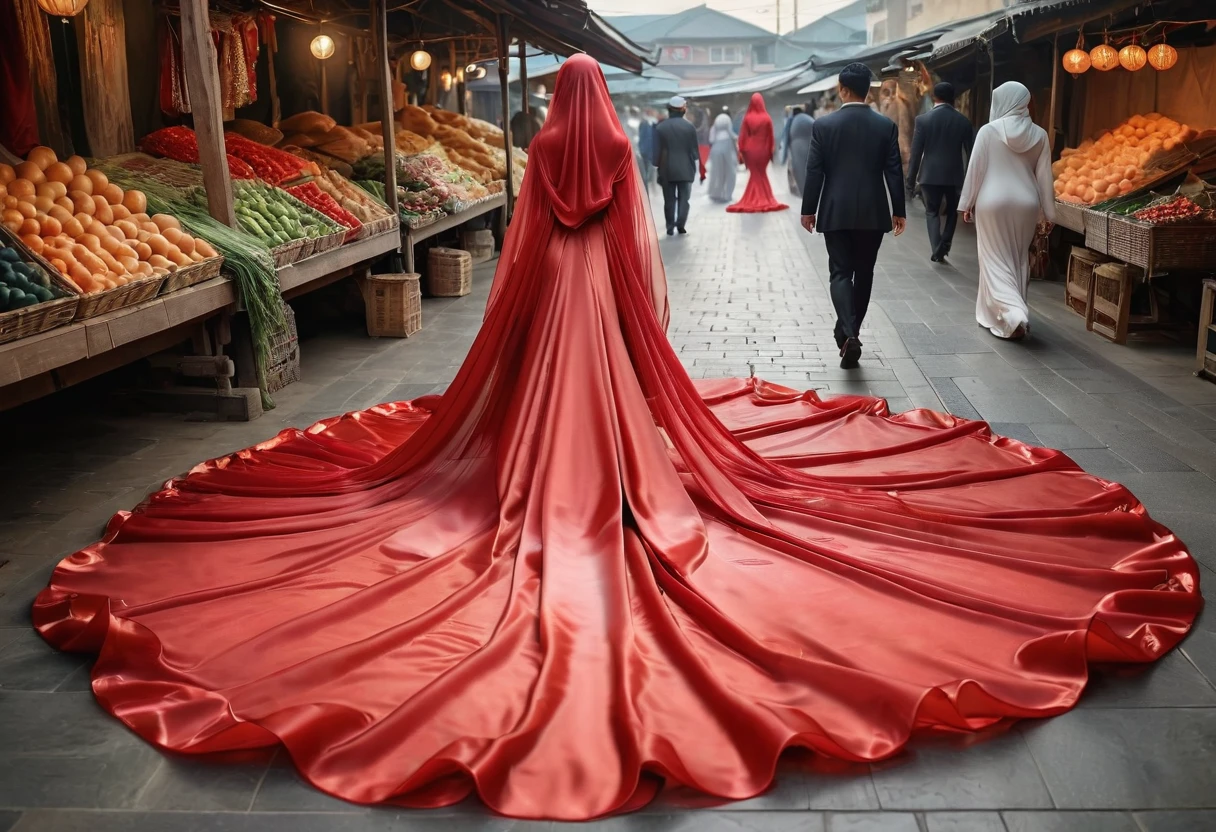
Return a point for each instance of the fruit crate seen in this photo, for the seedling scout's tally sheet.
(1078, 286)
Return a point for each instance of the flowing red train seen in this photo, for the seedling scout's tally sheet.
(577, 575)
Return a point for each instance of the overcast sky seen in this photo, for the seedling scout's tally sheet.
(760, 12)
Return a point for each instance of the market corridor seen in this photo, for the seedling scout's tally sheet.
(748, 297)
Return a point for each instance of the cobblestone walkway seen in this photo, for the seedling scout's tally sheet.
(749, 296)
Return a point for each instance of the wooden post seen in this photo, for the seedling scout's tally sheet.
(203, 84)
(1055, 85)
(526, 105)
(380, 19)
(272, 49)
(504, 80)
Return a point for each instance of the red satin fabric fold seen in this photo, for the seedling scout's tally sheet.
(578, 573)
(756, 145)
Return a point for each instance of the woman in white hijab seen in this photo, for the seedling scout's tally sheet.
(1008, 194)
(723, 158)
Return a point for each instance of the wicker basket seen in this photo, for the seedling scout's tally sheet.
(449, 273)
(1096, 225)
(479, 245)
(120, 297)
(374, 228)
(329, 242)
(1071, 216)
(191, 275)
(287, 253)
(1159, 247)
(394, 305)
(1078, 287)
(22, 323)
(283, 362)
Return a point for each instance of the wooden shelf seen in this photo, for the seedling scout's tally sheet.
(412, 236)
(314, 272)
(94, 337)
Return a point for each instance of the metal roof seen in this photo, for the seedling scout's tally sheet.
(754, 83)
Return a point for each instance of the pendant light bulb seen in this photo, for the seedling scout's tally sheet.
(322, 47)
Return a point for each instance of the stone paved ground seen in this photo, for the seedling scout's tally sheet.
(748, 296)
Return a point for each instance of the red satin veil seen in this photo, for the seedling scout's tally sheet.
(756, 145)
(577, 575)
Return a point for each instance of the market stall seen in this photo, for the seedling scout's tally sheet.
(210, 214)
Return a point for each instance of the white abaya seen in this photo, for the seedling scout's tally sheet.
(1009, 188)
(723, 160)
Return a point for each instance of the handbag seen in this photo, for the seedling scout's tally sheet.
(1040, 256)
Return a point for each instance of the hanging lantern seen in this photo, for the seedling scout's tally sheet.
(1076, 60)
(1104, 57)
(1133, 57)
(322, 47)
(62, 8)
(420, 60)
(1162, 56)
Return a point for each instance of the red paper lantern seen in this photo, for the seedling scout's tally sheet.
(1104, 57)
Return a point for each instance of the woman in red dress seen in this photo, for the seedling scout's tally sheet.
(756, 144)
(578, 575)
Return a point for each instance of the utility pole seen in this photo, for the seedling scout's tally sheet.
(795, 16)
(778, 17)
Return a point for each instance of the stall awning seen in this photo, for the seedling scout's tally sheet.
(562, 27)
(966, 34)
(824, 84)
(755, 83)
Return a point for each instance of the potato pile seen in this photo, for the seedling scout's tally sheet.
(1115, 163)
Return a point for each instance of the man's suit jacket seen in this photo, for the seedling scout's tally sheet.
(679, 154)
(853, 151)
(943, 135)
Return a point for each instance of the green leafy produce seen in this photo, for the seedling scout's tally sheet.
(246, 257)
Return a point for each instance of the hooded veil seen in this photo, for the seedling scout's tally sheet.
(577, 574)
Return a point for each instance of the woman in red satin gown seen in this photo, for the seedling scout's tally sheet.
(756, 144)
(577, 575)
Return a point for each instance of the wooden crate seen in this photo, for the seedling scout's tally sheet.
(1111, 289)
(1078, 286)
(1205, 348)
(394, 305)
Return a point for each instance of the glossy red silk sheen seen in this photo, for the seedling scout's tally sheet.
(578, 573)
(756, 145)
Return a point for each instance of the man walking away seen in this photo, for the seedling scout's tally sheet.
(853, 151)
(678, 160)
(943, 136)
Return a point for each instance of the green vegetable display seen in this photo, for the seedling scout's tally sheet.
(22, 284)
(276, 217)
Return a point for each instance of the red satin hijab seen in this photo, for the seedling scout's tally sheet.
(578, 576)
(756, 133)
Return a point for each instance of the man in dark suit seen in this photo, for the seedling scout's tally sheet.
(678, 159)
(943, 136)
(854, 151)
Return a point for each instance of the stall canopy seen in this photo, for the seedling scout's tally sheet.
(560, 26)
(650, 81)
(756, 83)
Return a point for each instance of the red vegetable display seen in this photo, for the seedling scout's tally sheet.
(1175, 210)
(272, 165)
(314, 197)
(177, 143)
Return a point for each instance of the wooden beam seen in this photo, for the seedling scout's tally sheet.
(523, 81)
(504, 81)
(203, 84)
(385, 76)
(1055, 86)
